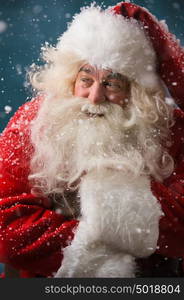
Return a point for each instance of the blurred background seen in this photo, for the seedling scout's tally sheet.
(25, 25)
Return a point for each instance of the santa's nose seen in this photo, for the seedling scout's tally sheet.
(96, 94)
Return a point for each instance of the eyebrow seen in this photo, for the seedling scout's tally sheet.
(86, 70)
(116, 76)
(112, 75)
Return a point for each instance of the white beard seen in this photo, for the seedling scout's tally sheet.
(68, 143)
(119, 215)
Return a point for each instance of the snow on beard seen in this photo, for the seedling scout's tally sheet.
(72, 137)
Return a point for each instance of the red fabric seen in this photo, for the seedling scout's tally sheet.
(31, 234)
(170, 58)
(170, 194)
(2, 275)
(170, 55)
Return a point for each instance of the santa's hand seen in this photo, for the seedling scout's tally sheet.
(119, 221)
(120, 211)
(95, 260)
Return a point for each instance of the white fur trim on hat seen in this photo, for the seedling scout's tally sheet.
(102, 38)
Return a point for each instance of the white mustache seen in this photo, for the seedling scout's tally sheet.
(100, 109)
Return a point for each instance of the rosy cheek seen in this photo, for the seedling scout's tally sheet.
(80, 91)
(77, 90)
(116, 99)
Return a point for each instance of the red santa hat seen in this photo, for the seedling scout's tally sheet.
(169, 53)
(111, 41)
(128, 40)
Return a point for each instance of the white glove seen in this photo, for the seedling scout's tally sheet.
(120, 221)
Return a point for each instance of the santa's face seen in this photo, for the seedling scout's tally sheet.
(96, 128)
(100, 86)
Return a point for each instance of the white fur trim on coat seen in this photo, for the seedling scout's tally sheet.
(107, 40)
(120, 221)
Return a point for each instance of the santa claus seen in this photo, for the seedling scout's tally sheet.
(99, 151)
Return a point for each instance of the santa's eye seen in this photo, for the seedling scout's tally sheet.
(114, 86)
(86, 81)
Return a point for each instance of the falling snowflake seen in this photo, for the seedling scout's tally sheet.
(67, 15)
(3, 26)
(19, 69)
(7, 109)
(37, 9)
(176, 5)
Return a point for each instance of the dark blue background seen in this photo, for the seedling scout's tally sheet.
(29, 23)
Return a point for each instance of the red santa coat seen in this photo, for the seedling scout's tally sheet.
(32, 234)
